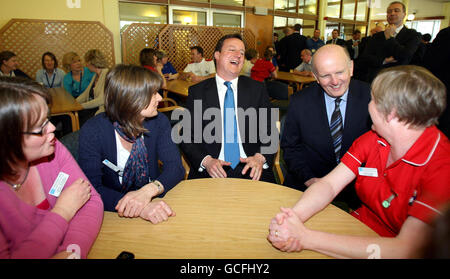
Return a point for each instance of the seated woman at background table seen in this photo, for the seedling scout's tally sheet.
(402, 171)
(50, 75)
(119, 149)
(149, 60)
(78, 77)
(167, 70)
(36, 221)
(8, 65)
(93, 98)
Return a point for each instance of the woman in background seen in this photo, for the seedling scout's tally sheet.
(148, 59)
(78, 77)
(8, 65)
(50, 75)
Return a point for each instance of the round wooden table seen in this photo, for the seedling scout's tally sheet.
(217, 219)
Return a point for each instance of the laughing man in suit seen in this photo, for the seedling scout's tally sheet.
(218, 159)
(319, 128)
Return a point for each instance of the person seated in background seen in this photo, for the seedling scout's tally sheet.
(251, 55)
(305, 69)
(274, 58)
(199, 69)
(148, 59)
(120, 149)
(93, 98)
(402, 171)
(78, 77)
(8, 65)
(50, 75)
(264, 68)
(167, 70)
(36, 219)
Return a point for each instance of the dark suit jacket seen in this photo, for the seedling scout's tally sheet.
(251, 94)
(290, 48)
(98, 142)
(306, 140)
(402, 48)
(351, 51)
(339, 41)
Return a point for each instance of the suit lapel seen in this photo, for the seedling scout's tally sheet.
(350, 115)
(322, 119)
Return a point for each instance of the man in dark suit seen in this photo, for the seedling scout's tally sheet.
(353, 45)
(323, 120)
(225, 153)
(291, 48)
(395, 46)
(335, 40)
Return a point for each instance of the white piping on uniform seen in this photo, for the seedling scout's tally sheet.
(429, 156)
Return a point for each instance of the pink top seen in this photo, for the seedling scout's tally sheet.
(29, 232)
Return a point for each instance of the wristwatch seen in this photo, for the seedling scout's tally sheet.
(160, 187)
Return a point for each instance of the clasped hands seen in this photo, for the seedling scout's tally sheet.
(214, 167)
(287, 232)
(139, 204)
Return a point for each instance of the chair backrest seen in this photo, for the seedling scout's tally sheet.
(277, 90)
(70, 141)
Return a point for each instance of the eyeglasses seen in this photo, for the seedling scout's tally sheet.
(41, 131)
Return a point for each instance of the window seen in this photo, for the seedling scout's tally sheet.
(132, 12)
(348, 10)
(308, 7)
(228, 2)
(333, 8)
(425, 26)
(227, 20)
(188, 17)
(361, 10)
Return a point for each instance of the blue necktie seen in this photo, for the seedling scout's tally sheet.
(231, 144)
(336, 129)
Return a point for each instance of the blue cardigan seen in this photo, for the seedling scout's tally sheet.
(98, 142)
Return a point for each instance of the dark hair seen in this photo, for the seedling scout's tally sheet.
(146, 57)
(250, 53)
(18, 112)
(426, 37)
(6, 55)
(52, 56)
(219, 44)
(129, 90)
(297, 27)
(198, 48)
(268, 54)
(398, 2)
(356, 31)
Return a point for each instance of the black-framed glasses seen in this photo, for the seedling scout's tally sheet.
(41, 131)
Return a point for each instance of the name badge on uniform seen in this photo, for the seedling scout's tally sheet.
(59, 183)
(373, 172)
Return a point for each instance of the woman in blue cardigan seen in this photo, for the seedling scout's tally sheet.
(119, 149)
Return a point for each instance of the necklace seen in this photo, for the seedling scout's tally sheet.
(17, 186)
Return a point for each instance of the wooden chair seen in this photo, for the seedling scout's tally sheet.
(276, 164)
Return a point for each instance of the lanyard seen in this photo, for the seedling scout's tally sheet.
(53, 79)
(81, 79)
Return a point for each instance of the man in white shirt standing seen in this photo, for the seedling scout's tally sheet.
(199, 69)
(237, 146)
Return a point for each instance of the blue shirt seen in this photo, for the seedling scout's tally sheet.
(330, 104)
(168, 69)
(314, 45)
(73, 87)
(53, 81)
(274, 61)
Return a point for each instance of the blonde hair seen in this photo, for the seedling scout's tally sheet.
(68, 59)
(96, 58)
(415, 95)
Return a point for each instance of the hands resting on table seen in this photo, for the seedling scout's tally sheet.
(139, 204)
(287, 232)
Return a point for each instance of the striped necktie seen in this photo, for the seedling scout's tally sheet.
(336, 129)
(231, 145)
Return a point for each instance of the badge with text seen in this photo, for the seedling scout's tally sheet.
(59, 183)
(373, 172)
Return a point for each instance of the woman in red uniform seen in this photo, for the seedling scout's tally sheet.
(402, 171)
